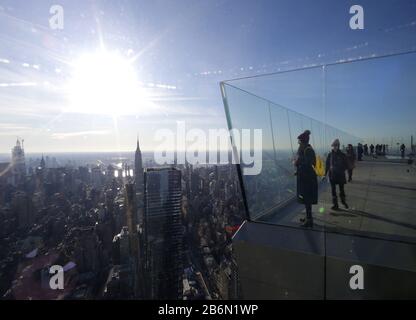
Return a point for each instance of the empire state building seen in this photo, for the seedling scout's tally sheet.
(138, 169)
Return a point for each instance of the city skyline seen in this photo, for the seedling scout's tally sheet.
(38, 65)
(207, 150)
(128, 235)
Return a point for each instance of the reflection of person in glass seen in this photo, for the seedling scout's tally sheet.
(307, 184)
(336, 165)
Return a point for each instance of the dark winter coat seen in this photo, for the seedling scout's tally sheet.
(360, 150)
(307, 183)
(350, 158)
(336, 164)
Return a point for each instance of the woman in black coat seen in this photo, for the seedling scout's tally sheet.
(307, 183)
(336, 165)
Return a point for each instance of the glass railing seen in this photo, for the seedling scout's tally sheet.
(369, 102)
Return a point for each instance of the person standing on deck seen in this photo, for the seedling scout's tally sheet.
(336, 165)
(360, 152)
(350, 161)
(402, 150)
(307, 183)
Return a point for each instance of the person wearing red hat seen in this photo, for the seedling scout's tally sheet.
(307, 183)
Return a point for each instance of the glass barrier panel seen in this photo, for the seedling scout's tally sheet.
(248, 112)
(374, 99)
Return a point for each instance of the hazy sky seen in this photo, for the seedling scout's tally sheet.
(180, 51)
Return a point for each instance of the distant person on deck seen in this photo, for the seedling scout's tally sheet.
(384, 149)
(336, 165)
(350, 161)
(402, 150)
(360, 152)
(366, 149)
(307, 183)
(372, 149)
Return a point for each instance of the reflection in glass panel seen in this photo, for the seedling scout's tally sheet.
(299, 90)
(271, 195)
(250, 112)
(372, 99)
(285, 149)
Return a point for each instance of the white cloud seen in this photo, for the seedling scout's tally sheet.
(66, 135)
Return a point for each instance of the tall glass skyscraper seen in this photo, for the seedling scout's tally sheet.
(163, 233)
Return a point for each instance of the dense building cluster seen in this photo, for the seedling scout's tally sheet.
(118, 232)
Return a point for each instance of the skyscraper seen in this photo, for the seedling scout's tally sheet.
(139, 182)
(139, 189)
(22, 207)
(131, 215)
(163, 233)
(42, 164)
(138, 169)
(18, 162)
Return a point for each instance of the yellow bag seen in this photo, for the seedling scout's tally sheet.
(319, 167)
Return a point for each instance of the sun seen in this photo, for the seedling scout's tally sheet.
(104, 82)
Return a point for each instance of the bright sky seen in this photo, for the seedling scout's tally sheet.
(167, 58)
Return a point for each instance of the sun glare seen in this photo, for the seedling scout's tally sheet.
(104, 83)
